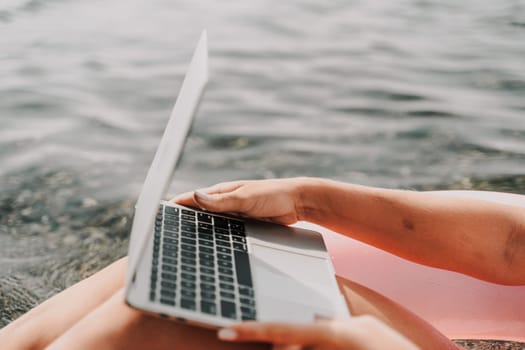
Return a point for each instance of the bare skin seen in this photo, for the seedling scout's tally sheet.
(102, 321)
(405, 223)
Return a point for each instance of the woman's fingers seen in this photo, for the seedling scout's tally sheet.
(188, 198)
(357, 333)
(184, 199)
(278, 333)
(224, 187)
(220, 202)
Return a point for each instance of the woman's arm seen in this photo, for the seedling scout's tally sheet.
(478, 238)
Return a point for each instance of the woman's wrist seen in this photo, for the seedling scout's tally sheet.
(307, 198)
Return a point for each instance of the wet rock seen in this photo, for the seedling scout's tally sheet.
(52, 236)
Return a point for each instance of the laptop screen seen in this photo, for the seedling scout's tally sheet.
(168, 152)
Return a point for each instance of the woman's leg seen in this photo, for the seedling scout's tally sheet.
(46, 322)
(115, 326)
(364, 301)
(88, 312)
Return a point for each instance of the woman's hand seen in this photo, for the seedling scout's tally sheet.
(270, 200)
(356, 333)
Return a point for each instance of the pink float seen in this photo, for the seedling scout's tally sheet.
(459, 306)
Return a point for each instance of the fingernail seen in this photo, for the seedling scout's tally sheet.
(202, 195)
(227, 334)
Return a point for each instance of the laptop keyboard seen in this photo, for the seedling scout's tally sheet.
(200, 263)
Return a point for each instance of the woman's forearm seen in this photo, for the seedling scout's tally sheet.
(479, 238)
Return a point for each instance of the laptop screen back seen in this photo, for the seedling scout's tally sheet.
(168, 152)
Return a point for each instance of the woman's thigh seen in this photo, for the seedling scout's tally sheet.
(125, 328)
(49, 320)
(93, 306)
(364, 301)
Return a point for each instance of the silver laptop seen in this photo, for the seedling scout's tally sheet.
(214, 270)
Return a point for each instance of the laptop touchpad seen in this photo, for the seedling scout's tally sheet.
(291, 286)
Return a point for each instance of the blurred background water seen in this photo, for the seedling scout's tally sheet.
(400, 93)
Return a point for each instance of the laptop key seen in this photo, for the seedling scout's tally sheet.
(171, 253)
(206, 287)
(187, 228)
(226, 286)
(227, 295)
(222, 243)
(242, 266)
(167, 294)
(208, 307)
(224, 257)
(188, 235)
(188, 276)
(207, 295)
(237, 225)
(206, 236)
(222, 231)
(169, 268)
(166, 260)
(240, 246)
(226, 271)
(205, 231)
(171, 223)
(238, 239)
(223, 237)
(188, 268)
(205, 243)
(207, 250)
(169, 276)
(207, 263)
(224, 250)
(206, 256)
(205, 226)
(168, 285)
(220, 222)
(171, 216)
(188, 241)
(226, 264)
(188, 304)
(170, 240)
(171, 231)
(228, 309)
(187, 247)
(189, 255)
(203, 217)
(207, 270)
(227, 279)
(188, 261)
(207, 279)
(167, 301)
(171, 247)
(247, 314)
(188, 217)
(188, 294)
(187, 285)
(247, 301)
(246, 291)
(171, 210)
